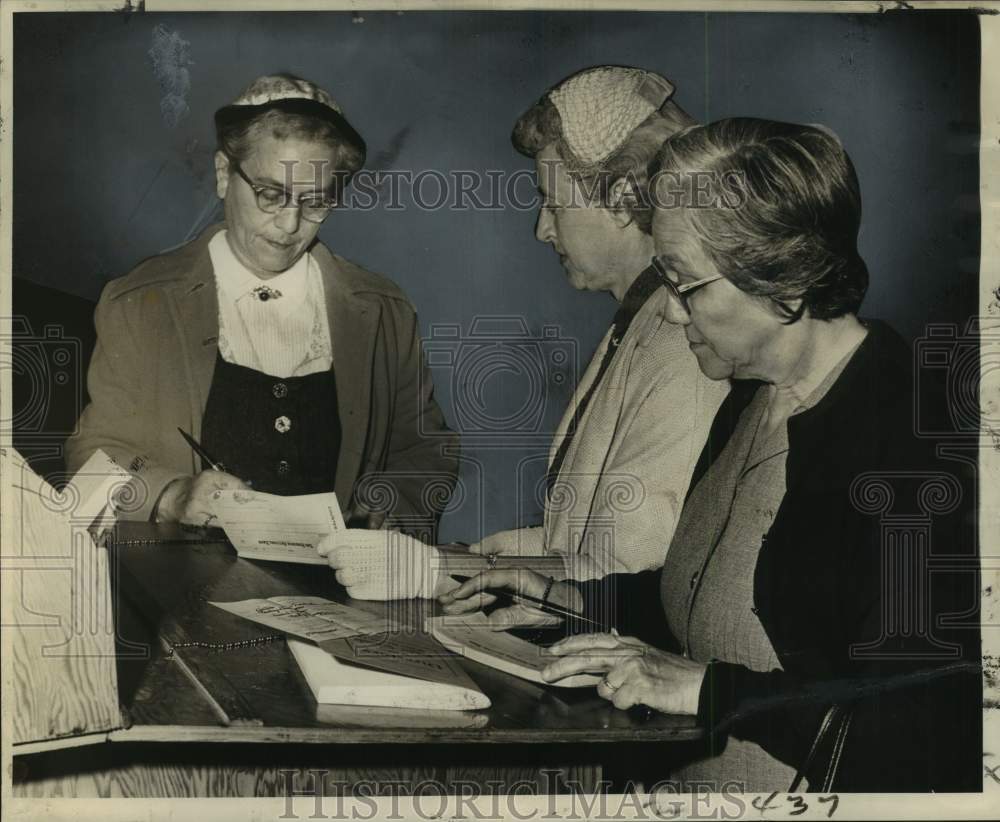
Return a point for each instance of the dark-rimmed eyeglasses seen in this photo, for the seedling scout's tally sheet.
(312, 207)
(681, 292)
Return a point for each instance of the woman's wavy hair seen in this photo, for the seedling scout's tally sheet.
(782, 214)
(541, 126)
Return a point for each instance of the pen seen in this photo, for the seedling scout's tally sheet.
(547, 607)
(200, 451)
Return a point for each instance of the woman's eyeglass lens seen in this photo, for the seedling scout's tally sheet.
(681, 292)
(269, 200)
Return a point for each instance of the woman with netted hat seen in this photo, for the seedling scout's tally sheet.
(627, 446)
(297, 370)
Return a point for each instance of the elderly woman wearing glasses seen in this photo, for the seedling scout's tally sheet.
(789, 616)
(297, 370)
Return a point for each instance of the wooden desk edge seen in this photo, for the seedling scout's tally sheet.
(345, 735)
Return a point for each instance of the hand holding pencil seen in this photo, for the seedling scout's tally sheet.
(535, 600)
(188, 500)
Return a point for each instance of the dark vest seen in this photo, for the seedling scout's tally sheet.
(282, 435)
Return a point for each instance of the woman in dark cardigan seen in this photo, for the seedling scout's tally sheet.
(803, 623)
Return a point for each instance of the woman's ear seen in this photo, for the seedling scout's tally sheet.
(622, 197)
(221, 174)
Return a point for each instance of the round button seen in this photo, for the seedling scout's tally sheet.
(283, 467)
(282, 424)
(694, 579)
(280, 390)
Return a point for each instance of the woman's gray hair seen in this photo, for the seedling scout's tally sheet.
(778, 211)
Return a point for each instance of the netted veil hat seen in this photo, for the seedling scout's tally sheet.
(290, 94)
(600, 107)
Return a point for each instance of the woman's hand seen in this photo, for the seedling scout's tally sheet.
(188, 500)
(472, 596)
(384, 564)
(634, 673)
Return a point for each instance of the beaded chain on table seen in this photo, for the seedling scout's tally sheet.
(214, 646)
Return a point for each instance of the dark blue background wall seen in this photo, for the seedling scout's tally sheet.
(113, 148)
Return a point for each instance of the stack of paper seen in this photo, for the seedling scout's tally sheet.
(365, 716)
(335, 681)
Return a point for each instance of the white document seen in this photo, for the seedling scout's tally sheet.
(281, 529)
(470, 636)
(311, 618)
(334, 681)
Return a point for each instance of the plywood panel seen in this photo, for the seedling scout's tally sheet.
(56, 613)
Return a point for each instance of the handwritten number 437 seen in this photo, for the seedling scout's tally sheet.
(798, 804)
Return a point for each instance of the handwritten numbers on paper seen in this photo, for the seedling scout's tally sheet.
(767, 803)
(795, 804)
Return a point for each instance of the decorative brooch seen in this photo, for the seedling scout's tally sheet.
(265, 293)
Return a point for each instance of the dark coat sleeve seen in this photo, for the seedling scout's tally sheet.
(858, 617)
(421, 462)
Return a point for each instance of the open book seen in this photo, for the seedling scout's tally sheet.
(349, 656)
(470, 636)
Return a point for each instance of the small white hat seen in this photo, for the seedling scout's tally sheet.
(275, 87)
(290, 94)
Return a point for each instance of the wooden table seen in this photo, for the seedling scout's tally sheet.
(266, 732)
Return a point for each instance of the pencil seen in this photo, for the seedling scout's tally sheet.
(547, 607)
(200, 451)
